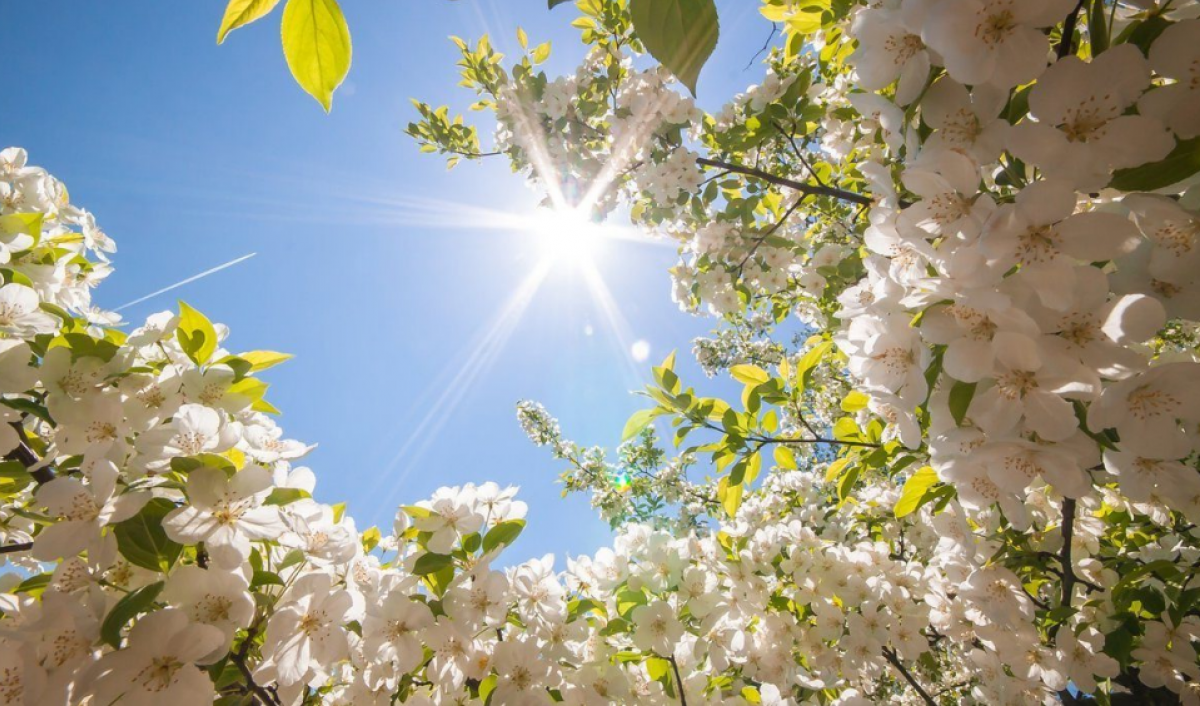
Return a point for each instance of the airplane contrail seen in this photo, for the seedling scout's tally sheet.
(189, 280)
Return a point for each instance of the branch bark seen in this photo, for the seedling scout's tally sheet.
(1066, 44)
(678, 681)
(10, 548)
(28, 458)
(239, 659)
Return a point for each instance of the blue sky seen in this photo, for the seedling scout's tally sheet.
(192, 155)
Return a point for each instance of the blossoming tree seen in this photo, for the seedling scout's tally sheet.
(974, 481)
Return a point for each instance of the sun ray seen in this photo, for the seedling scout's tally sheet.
(454, 383)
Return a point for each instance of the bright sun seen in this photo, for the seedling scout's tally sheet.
(566, 235)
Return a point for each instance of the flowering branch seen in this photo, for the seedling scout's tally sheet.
(890, 656)
(810, 189)
(239, 659)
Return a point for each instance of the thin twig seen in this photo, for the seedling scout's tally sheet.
(10, 548)
(774, 30)
(678, 681)
(791, 138)
(767, 234)
(810, 189)
(891, 657)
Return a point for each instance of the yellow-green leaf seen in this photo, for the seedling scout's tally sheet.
(730, 496)
(196, 334)
(27, 223)
(239, 13)
(316, 43)
(638, 421)
(541, 52)
(784, 458)
(749, 374)
(261, 360)
(914, 491)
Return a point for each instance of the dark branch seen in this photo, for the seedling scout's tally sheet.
(891, 657)
(1066, 44)
(678, 681)
(1069, 578)
(10, 548)
(28, 458)
(239, 659)
(766, 44)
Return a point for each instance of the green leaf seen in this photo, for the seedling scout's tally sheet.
(915, 488)
(541, 52)
(961, 395)
(286, 496)
(27, 223)
(847, 481)
(239, 13)
(810, 360)
(34, 585)
(784, 458)
(749, 374)
(638, 421)
(265, 578)
(196, 334)
(555, 3)
(316, 44)
(431, 564)
(730, 496)
(680, 34)
(126, 609)
(142, 540)
(504, 533)
(658, 668)
(1183, 162)
(261, 360)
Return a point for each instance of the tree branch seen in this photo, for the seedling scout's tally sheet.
(810, 189)
(678, 681)
(1069, 578)
(891, 657)
(239, 659)
(28, 458)
(10, 548)
(1066, 44)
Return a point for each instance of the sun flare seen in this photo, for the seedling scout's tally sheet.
(566, 235)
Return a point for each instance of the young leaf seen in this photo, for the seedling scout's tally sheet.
(196, 334)
(316, 43)
(680, 34)
(749, 374)
(638, 421)
(239, 13)
(261, 360)
(915, 488)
